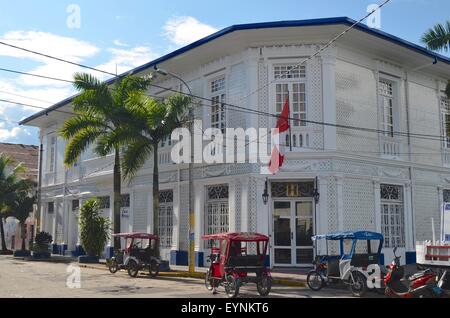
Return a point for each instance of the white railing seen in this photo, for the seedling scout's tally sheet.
(390, 148)
(96, 166)
(164, 156)
(446, 157)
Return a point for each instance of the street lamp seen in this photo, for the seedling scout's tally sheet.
(191, 254)
(316, 194)
(265, 195)
(164, 72)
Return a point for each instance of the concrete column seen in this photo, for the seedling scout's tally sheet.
(340, 202)
(377, 204)
(244, 204)
(321, 207)
(232, 206)
(329, 97)
(262, 211)
(199, 214)
(409, 241)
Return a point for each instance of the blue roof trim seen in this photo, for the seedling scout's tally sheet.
(358, 235)
(255, 26)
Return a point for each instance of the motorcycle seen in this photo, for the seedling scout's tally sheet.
(419, 285)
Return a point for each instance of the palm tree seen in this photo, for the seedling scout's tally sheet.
(10, 183)
(21, 208)
(437, 38)
(153, 120)
(100, 115)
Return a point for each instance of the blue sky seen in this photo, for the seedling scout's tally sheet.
(130, 33)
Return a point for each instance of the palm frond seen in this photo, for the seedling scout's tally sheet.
(86, 81)
(74, 124)
(79, 143)
(438, 37)
(135, 156)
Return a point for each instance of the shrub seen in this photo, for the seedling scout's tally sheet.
(42, 242)
(94, 228)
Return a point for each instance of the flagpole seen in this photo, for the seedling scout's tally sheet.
(289, 121)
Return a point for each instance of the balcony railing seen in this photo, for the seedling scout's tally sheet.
(390, 148)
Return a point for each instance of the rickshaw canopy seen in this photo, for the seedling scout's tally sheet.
(352, 235)
(242, 237)
(136, 235)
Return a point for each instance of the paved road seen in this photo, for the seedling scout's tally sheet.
(41, 279)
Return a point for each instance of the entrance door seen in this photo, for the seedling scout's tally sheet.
(293, 224)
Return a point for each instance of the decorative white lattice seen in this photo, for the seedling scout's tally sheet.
(359, 205)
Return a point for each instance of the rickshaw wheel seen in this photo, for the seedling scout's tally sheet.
(133, 269)
(314, 280)
(208, 282)
(232, 286)
(153, 269)
(264, 285)
(113, 266)
(359, 287)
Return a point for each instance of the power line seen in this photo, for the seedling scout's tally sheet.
(27, 97)
(254, 112)
(36, 75)
(34, 106)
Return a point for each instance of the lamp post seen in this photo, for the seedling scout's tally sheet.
(191, 254)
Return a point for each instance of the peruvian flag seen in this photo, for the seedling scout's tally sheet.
(277, 158)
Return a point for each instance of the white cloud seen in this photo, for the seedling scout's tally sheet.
(8, 134)
(120, 43)
(59, 46)
(127, 59)
(185, 30)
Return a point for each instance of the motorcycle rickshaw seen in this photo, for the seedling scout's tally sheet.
(234, 256)
(357, 263)
(139, 254)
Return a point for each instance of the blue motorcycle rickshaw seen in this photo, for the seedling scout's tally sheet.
(352, 257)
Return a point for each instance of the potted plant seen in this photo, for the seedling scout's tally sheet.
(94, 231)
(41, 245)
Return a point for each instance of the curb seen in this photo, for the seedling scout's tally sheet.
(197, 275)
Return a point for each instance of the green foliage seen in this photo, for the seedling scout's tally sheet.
(152, 120)
(42, 242)
(438, 37)
(94, 228)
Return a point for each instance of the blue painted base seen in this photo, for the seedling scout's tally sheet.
(199, 259)
(79, 251)
(410, 258)
(179, 258)
(381, 262)
(109, 252)
(59, 249)
(164, 266)
(267, 261)
(20, 253)
(88, 259)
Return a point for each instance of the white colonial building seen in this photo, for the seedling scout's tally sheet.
(375, 179)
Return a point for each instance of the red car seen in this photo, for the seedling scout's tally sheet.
(233, 257)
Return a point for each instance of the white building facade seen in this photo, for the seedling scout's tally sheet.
(391, 177)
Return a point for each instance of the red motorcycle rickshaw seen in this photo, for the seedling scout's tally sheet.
(234, 256)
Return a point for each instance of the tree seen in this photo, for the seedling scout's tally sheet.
(153, 120)
(437, 38)
(21, 207)
(10, 182)
(100, 116)
(94, 228)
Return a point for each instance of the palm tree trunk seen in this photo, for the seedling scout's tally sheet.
(156, 196)
(2, 232)
(117, 198)
(22, 234)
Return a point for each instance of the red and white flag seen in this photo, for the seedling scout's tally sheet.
(283, 125)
